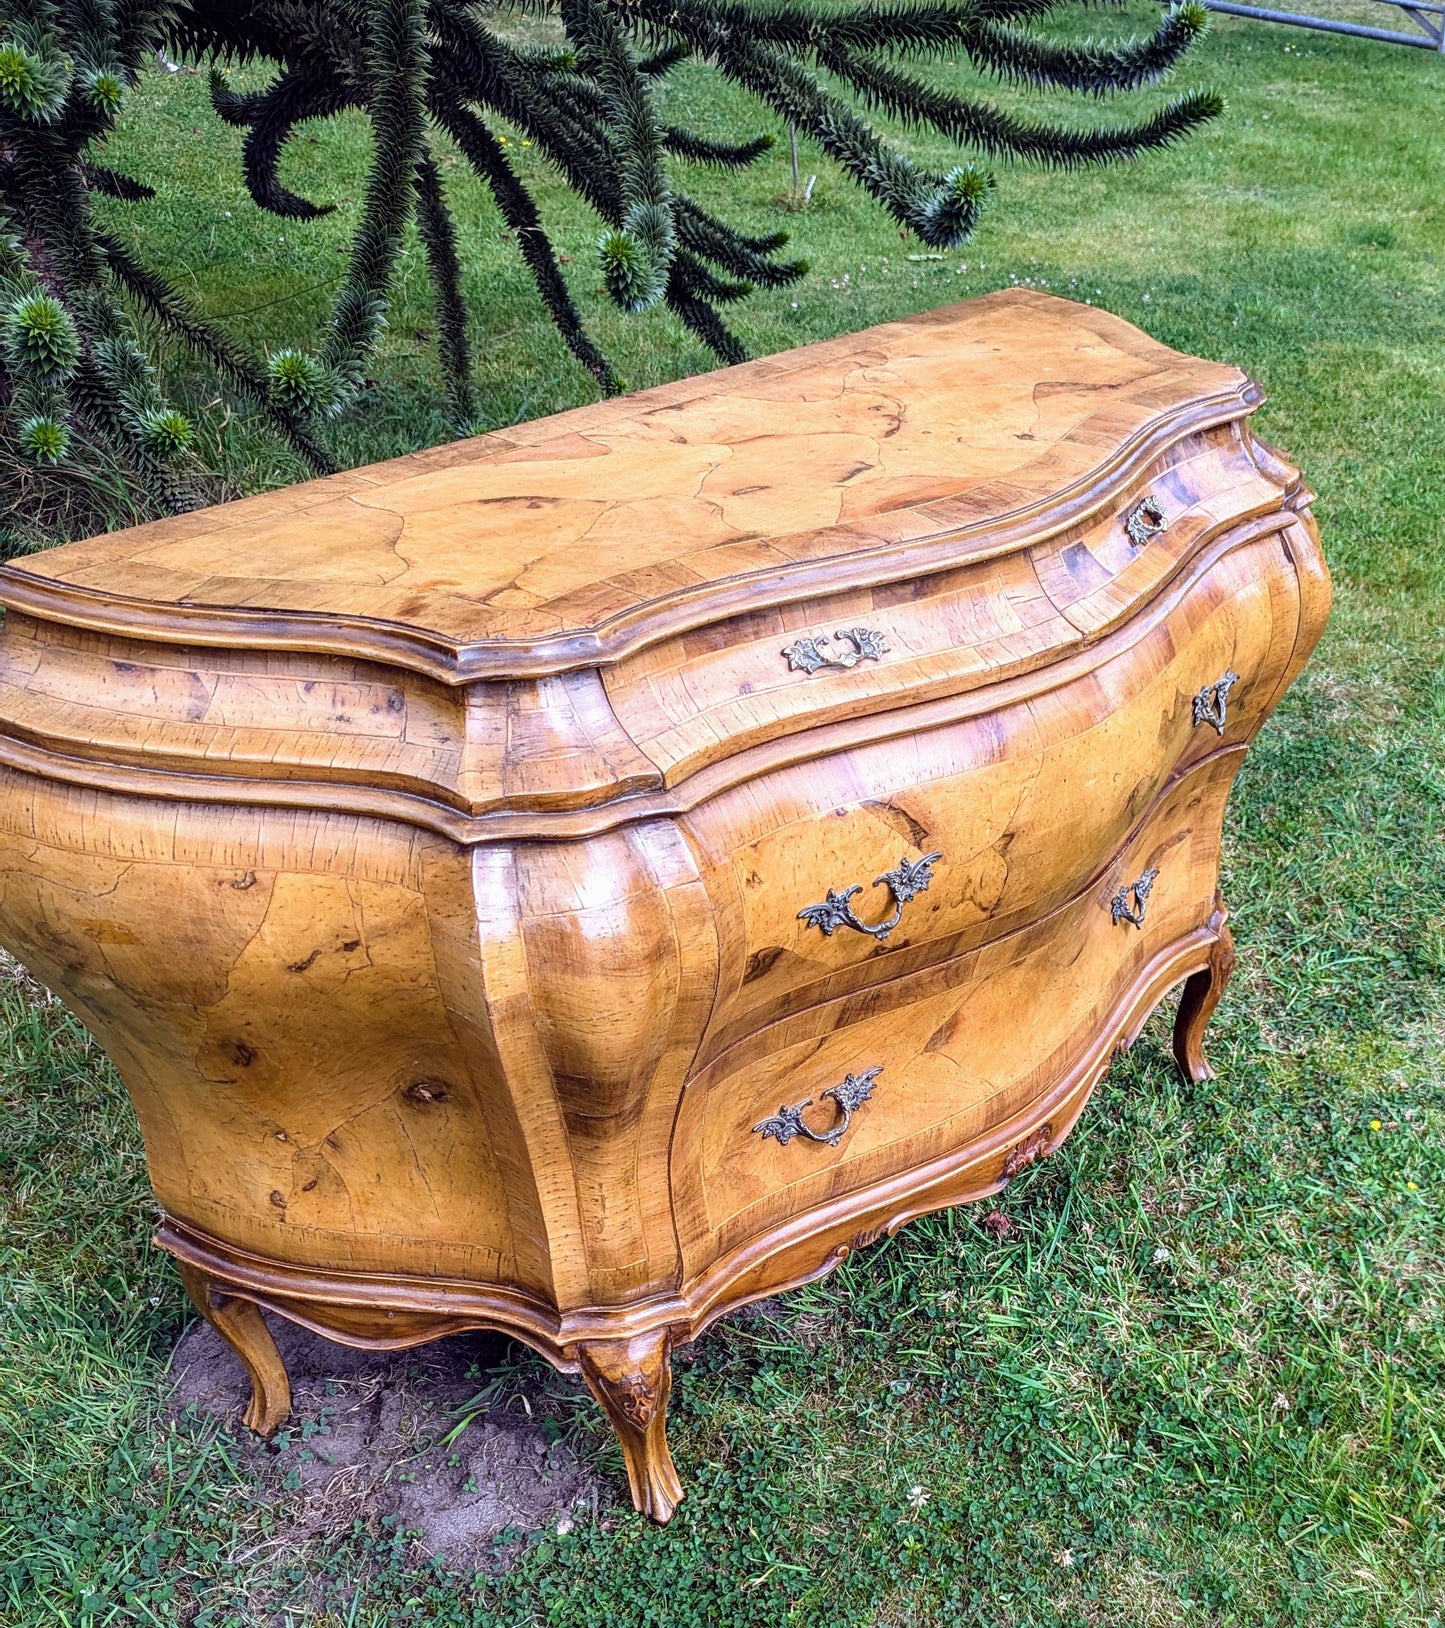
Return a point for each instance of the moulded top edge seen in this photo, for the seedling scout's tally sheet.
(575, 540)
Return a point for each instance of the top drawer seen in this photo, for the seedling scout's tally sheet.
(701, 696)
(988, 811)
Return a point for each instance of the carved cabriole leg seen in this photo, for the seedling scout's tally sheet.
(1202, 993)
(241, 1325)
(631, 1380)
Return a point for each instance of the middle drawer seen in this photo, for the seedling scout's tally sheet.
(869, 863)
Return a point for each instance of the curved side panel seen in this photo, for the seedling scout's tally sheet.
(266, 983)
(1302, 541)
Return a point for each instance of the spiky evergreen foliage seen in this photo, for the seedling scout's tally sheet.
(427, 68)
(78, 397)
(77, 393)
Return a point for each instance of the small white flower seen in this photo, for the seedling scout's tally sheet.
(1065, 1557)
(565, 1523)
(1281, 1402)
(1161, 1255)
(918, 1497)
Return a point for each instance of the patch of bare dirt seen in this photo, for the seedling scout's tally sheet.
(368, 1438)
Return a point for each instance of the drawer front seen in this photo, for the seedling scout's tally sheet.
(852, 1093)
(705, 695)
(268, 715)
(982, 823)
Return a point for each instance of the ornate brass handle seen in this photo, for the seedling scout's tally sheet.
(860, 644)
(906, 882)
(1120, 907)
(1145, 520)
(1211, 705)
(851, 1094)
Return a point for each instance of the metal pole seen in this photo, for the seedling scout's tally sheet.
(1430, 41)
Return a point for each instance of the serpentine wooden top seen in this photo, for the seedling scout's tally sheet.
(576, 538)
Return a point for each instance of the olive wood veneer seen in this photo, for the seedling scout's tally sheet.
(578, 880)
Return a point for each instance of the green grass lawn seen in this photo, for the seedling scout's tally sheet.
(1203, 1380)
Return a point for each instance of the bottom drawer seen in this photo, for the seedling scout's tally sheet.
(922, 1066)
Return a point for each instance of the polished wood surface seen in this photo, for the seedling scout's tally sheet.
(455, 856)
(582, 534)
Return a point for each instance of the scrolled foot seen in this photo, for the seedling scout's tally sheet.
(241, 1325)
(631, 1380)
(1202, 994)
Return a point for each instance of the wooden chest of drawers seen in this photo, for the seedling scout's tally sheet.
(580, 879)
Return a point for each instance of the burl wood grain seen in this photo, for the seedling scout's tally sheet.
(956, 1051)
(610, 519)
(427, 846)
(1022, 799)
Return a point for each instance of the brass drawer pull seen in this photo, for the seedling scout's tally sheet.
(787, 1123)
(910, 879)
(1120, 907)
(1211, 705)
(1145, 520)
(808, 655)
